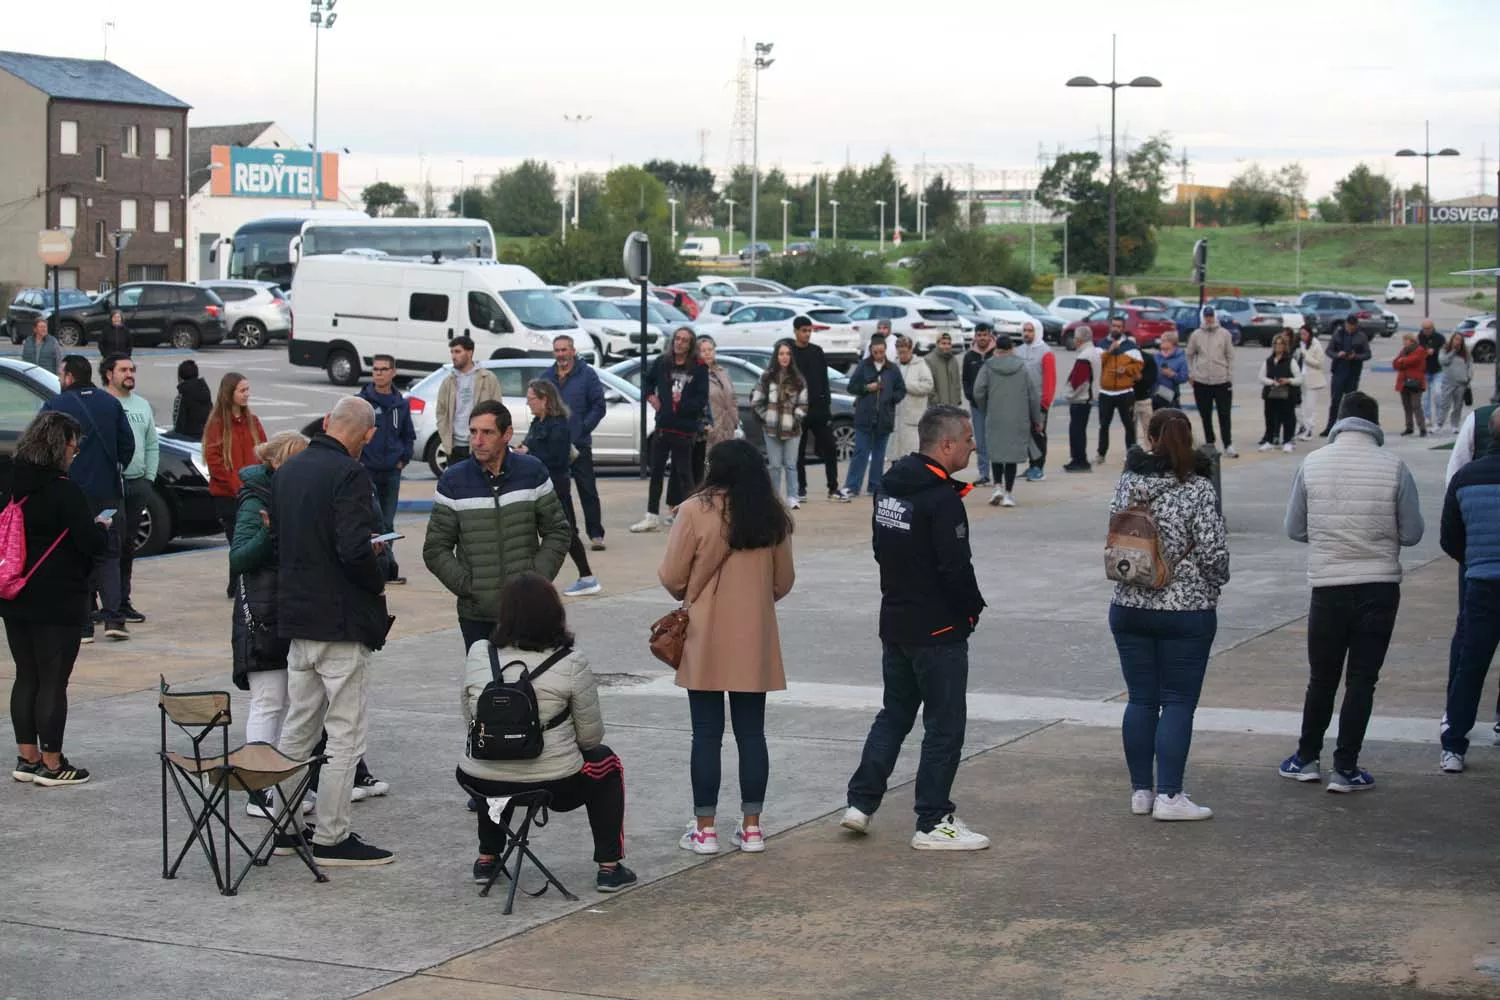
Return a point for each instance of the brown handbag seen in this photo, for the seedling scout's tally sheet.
(669, 632)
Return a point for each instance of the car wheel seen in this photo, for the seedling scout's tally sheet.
(843, 440)
(185, 337)
(343, 368)
(599, 350)
(436, 457)
(1484, 353)
(155, 528)
(70, 335)
(250, 334)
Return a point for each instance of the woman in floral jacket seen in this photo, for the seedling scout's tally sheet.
(780, 401)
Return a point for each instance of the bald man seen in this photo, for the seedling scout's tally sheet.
(331, 605)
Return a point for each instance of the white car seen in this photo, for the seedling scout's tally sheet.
(1479, 335)
(918, 317)
(1075, 307)
(848, 294)
(1400, 290)
(608, 288)
(714, 284)
(1000, 309)
(616, 439)
(718, 308)
(1292, 319)
(762, 322)
(615, 335)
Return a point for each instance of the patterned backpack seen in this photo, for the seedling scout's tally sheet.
(13, 574)
(1132, 550)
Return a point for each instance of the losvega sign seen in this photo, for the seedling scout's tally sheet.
(1482, 214)
(243, 172)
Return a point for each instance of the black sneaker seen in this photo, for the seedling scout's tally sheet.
(132, 615)
(116, 630)
(351, 852)
(614, 879)
(286, 843)
(63, 774)
(596, 544)
(484, 868)
(1078, 467)
(25, 770)
(86, 634)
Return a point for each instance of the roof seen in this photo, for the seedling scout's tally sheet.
(85, 80)
(202, 139)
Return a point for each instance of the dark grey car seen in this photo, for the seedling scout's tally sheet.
(1328, 310)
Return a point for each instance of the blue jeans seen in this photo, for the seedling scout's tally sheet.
(747, 710)
(781, 456)
(1163, 655)
(1431, 398)
(869, 450)
(981, 446)
(1480, 635)
(935, 679)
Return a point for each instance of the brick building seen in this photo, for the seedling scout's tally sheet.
(91, 148)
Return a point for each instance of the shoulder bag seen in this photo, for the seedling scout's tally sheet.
(669, 632)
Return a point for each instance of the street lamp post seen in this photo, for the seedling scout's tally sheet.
(673, 203)
(575, 120)
(121, 241)
(835, 203)
(1114, 86)
(1427, 154)
(922, 217)
(817, 202)
(881, 203)
(460, 189)
(730, 203)
(762, 50)
(785, 204)
(322, 18)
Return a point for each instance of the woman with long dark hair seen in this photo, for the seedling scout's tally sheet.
(676, 386)
(42, 621)
(549, 441)
(729, 558)
(1281, 387)
(1164, 635)
(229, 441)
(780, 401)
(575, 766)
(1458, 372)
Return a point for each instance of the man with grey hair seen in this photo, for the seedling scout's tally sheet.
(331, 605)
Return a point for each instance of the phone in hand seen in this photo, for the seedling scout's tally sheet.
(108, 513)
(388, 537)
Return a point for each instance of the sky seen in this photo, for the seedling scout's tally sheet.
(412, 88)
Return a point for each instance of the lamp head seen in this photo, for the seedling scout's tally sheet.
(1447, 151)
(1407, 152)
(1144, 81)
(764, 48)
(331, 18)
(1083, 81)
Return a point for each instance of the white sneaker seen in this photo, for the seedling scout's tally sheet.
(667, 519)
(372, 788)
(1452, 763)
(949, 835)
(996, 495)
(1288, 448)
(254, 810)
(855, 821)
(1179, 807)
(794, 503)
(1140, 801)
(705, 841)
(1229, 450)
(1265, 446)
(650, 522)
(1008, 501)
(749, 839)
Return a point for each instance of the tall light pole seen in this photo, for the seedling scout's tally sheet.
(322, 18)
(460, 189)
(818, 201)
(1427, 154)
(922, 216)
(730, 203)
(673, 203)
(575, 120)
(785, 204)
(835, 203)
(762, 50)
(881, 203)
(1114, 86)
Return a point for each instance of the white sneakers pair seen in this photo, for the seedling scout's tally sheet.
(1000, 498)
(749, 839)
(1178, 808)
(950, 833)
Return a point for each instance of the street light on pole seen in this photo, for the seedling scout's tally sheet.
(881, 203)
(835, 203)
(1114, 86)
(1427, 154)
(673, 203)
(785, 203)
(322, 18)
(575, 120)
(762, 50)
(730, 203)
(460, 189)
(121, 241)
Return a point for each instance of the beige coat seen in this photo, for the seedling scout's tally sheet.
(733, 643)
(724, 404)
(919, 387)
(486, 386)
(1210, 354)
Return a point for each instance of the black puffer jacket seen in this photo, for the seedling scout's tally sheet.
(58, 591)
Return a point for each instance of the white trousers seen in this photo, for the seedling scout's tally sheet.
(328, 689)
(267, 711)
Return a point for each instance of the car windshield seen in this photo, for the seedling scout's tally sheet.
(538, 309)
(590, 309)
(997, 302)
(1032, 308)
(828, 316)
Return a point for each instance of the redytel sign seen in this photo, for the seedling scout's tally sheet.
(1466, 214)
(254, 172)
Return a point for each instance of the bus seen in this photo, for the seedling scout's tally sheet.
(268, 249)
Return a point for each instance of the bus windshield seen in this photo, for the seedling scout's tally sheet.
(268, 249)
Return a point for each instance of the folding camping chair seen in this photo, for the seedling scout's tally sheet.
(518, 841)
(210, 779)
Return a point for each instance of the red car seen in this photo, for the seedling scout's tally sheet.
(1145, 326)
(680, 298)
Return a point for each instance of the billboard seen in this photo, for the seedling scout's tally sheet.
(1482, 214)
(257, 172)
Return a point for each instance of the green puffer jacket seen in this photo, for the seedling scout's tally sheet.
(252, 547)
(484, 530)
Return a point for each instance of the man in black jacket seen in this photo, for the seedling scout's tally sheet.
(193, 404)
(929, 604)
(330, 603)
(676, 386)
(1429, 338)
(818, 425)
(1348, 350)
(115, 338)
(974, 359)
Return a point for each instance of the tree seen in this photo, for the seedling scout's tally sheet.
(632, 198)
(970, 257)
(473, 204)
(1363, 195)
(1071, 185)
(524, 201)
(832, 265)
(383, 198)
(942, 204)
(690, 184)
(1255, 196)
(1328, 209)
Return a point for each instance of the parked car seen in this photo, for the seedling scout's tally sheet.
(1257, 323)
(1400, 290)
(613, 333)
(255, 312)
(906, 263)
(760, 357)
(1328, 310)
(1154, 302)
(918, 317)
(1144, 325)
(30, 303)
(802, 249)
(743, 286)
(606, 288)
(177, 503)
(882, 291)
(1479, 334)
(679, 299)
(1052, 326)
(700, 248)
(1390, 320)
(666, 318)
(755, 251)
(1072, 307)
(616, 439)
(1189, 318)
(849, 295)
(155, 311)
(1004, 312)
(1292, 319)
(762, 322)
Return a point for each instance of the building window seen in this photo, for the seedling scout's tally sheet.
(67, 277)
(163, 217)
(163, 144)
(67, 213)
(67, 139)
(100, 237)
(130, 144)
(100, 155)
(127, 215)
(146, 272)
(428, 307)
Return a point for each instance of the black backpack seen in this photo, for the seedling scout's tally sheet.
(507, 724)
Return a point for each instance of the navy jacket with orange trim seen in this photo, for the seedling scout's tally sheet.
(921, 538)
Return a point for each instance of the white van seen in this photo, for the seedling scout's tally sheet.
(700, 248)
(350, 307)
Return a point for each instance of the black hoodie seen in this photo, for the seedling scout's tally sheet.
(191, 408)
(921, 540)
(58, 591)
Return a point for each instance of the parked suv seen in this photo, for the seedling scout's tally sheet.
(1400, 290)
(1390, 319)
(255, 312)
(1258, 322)
(1326, 310)
(155, 311)
(30, 303)
(755, 251)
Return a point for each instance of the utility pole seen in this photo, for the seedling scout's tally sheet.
(576, 120)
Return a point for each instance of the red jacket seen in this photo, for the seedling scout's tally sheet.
(224, 465)
(1049, 380)
(1411, 364)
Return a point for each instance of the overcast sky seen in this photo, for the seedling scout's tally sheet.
(489, 81)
